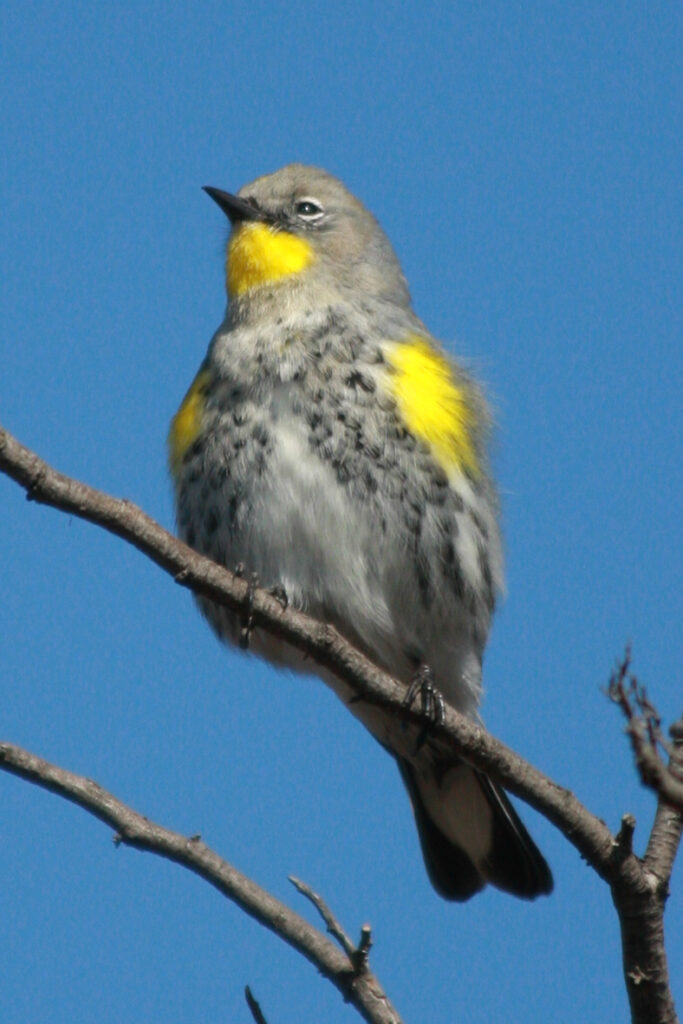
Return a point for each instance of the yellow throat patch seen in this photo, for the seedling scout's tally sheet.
(258, 255)
(186, 425)
(434, 405)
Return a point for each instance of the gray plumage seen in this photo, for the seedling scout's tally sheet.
(304, 471)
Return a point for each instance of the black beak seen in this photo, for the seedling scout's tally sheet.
(232, 206)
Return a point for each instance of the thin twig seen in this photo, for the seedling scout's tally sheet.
(358, 955)
(645, 733)
(624, 837)
(256, 1011)
(362, 955)
(331, 923)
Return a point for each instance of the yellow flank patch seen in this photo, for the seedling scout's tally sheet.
(433, 404)
(258, 255)
(186, 425)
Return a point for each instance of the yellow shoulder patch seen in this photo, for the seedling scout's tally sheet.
(258, 255)
(186, 425)
(433, 404)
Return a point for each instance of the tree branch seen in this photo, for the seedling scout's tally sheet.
(641, 920)
(644, 728)
(358, 955)
(360, 988)
(638, 887)
(256, 1011)
(322, 642)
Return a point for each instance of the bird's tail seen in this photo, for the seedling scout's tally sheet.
(471, 834)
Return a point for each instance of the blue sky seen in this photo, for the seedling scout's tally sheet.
(525, 161)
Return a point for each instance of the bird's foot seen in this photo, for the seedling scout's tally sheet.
(431, 704)
(280, 594)
(247, 616)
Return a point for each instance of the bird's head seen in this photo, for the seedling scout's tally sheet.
(301, 225)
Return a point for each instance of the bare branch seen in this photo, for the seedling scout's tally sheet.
(624, 837)
(256, 1011)
(668, 825)
(362, 990)
(638, 888)
(641, 910)
(644, 729)
(641, 919)
(331, 923)
(362, 954)
(358, 955)
(590, 836)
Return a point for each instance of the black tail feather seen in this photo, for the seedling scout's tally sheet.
(515, 865)
(513, 862)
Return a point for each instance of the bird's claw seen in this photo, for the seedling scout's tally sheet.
(431, 704)
(247, 622)
(247, 619)
(280, 594)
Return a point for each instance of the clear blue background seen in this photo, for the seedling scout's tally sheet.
(525, 161)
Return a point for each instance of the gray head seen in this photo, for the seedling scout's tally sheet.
(301, 224)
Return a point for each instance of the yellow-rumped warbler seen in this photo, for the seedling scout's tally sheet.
(329, 446)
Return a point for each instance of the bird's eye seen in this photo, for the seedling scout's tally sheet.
(308, 209)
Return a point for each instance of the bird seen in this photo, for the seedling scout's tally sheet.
(332, 448)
